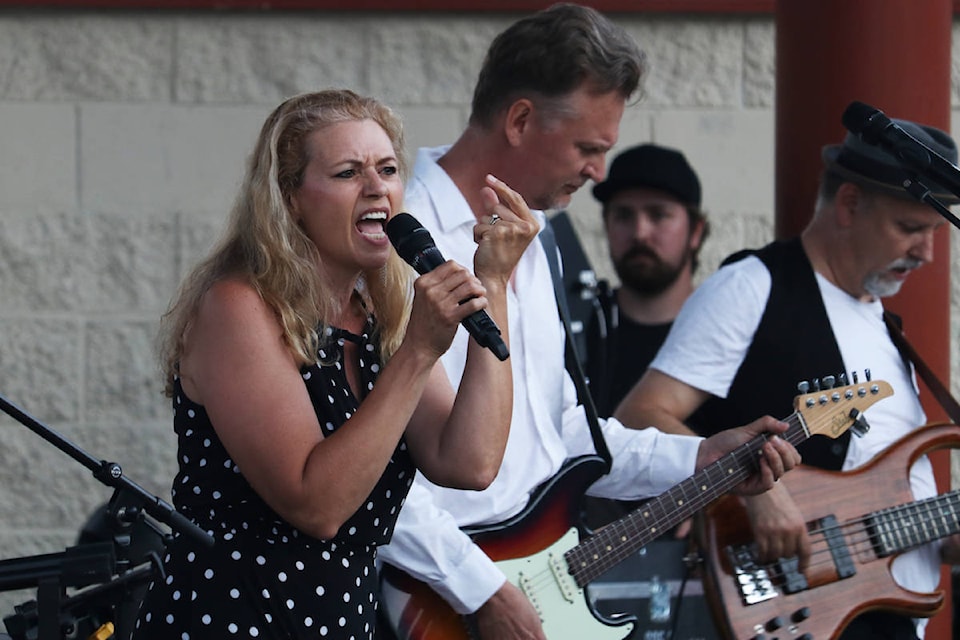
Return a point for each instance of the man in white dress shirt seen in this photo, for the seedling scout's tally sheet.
(546, 110)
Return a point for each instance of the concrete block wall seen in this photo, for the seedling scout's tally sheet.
(122, 141)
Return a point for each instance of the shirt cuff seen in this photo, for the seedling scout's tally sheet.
(471, 583)
(682, 462)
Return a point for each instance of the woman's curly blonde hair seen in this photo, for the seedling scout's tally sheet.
(263, 244)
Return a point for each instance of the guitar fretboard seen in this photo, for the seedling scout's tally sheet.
(615, 542)
(829, 412)
(906, 526)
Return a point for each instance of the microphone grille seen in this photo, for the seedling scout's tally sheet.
(401, 225)
(408, 236)
(856, 115)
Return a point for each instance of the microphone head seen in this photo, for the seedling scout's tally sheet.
(408, 236)
(866, 121)
(856, 115)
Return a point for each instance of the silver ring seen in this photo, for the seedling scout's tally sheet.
(494, 219)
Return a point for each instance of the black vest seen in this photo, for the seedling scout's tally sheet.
(794, 342)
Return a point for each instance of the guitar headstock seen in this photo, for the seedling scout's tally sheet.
(832, 410)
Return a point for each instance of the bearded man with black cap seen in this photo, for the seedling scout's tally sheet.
(801, 309)
(655, 228)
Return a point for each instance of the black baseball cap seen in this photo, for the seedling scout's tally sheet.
(652, 166)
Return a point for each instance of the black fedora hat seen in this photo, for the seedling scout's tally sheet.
(874, 167)
(652, 166)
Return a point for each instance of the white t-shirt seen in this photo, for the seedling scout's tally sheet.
(715, 328)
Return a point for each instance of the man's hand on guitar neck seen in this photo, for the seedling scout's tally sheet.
(778, 457)
(508, 615)
(778, 526)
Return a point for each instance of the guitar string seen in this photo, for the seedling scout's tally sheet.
(938, 514)
(773, 569)
(628, 526)
(622, 537)
(822, 556)
(590, 568)
(587, 568)
(796, 433)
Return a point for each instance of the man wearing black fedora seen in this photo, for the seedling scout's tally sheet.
(802, 309)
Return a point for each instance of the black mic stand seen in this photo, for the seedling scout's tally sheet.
(922, 193)
(917, 159)
(86, 564)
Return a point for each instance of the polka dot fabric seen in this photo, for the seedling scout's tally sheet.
(263, 578)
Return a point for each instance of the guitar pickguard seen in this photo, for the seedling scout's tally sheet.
(544, 579)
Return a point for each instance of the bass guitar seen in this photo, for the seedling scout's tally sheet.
(859, 521)
(540, 549)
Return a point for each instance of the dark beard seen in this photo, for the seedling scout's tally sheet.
(650, 277)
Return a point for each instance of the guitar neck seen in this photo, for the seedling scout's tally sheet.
(618, 540)
(906, 526)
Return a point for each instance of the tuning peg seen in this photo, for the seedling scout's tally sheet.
(803, 386)
(828, 382)
(866, 374)
(843, 379)
(855, 378)
(816, 384)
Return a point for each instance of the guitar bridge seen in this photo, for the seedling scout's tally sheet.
(753, 580)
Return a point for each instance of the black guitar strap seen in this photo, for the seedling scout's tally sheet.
(549, 242)
(937, 388)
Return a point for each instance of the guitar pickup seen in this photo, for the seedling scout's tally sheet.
(838, 546)
(793, 579)
(568, 588)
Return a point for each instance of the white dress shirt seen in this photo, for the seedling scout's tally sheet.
(548, 426)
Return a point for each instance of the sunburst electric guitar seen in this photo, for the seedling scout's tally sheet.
(540, 549)
(858, 522)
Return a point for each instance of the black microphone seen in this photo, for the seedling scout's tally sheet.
(873, 127)
(415, 245)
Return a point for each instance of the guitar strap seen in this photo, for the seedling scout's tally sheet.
(549, 242)
(937, 388)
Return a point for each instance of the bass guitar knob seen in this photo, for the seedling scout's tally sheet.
(801, 614)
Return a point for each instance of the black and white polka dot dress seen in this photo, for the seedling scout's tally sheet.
(263, 578)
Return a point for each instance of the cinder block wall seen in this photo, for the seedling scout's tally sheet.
(122, 140)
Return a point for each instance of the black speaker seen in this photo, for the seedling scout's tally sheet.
(628, 587)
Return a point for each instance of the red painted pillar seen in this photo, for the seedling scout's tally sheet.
(895, 56)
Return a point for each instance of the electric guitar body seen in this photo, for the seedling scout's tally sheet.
(858, 521)
(545, 551)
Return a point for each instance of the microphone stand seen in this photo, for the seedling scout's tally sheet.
(922, 193)
(85, 564)
(916, 158)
